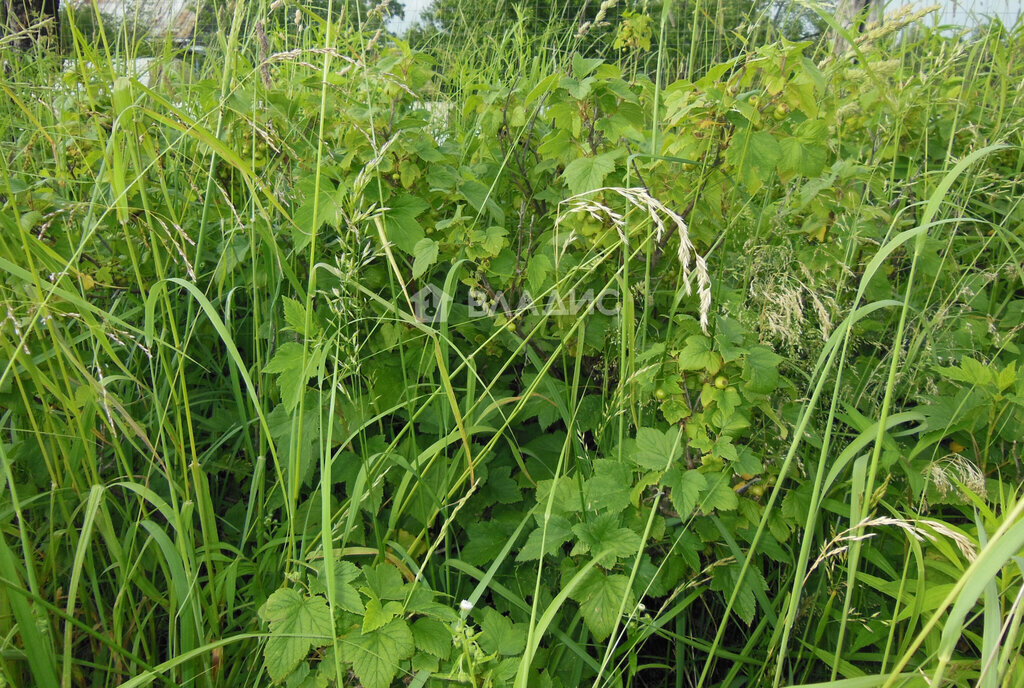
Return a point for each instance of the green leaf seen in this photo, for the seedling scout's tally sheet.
(377, 615)
(697, 355)
(718, 494)
(685, 486)
(970, 371)
(376, 656)
(753, 154)
(385, 582)
(655, 450)
(400, 223)
(295, 315)
(479, 196)
(558, 532)
(600, 596)
(603, 534)
(724, 580)
(761, 370)
(287, 364)
(433, 637)
(425, 252)
(587, 174)
(297, 624)
(582, 66)
(500, 635)
(609, 487)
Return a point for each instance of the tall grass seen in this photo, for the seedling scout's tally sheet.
(162, 243)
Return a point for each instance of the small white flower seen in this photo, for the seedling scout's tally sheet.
(466, 606)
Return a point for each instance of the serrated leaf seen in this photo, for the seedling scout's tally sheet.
(295, 316)
(385, 582)
(655, 450)
(587, 174)
(600, 597)
(400, 224)
(297, 624)
(603, 534)
(500, 635)
(685, 487)
(697, 355)
(376, 656)
(433, 637)
(761, 370)
(425, 255)
(287, 364)
(377, 614)
(609, 487)
(725, 579)
(540, 543)
(718, 494)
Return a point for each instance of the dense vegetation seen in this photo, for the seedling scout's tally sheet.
(328, 361)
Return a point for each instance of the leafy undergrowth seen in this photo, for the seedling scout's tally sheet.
(340, 365)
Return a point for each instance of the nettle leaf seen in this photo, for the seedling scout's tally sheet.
(540, 543)
(376, 656)
(425, 253)
(587, 174)
(433, 637)
(297, 624)
(603, 534)
(500, 635)
(656, 449)
(600, 596)
(697, 355)
(685, 486)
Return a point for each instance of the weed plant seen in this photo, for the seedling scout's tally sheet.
(513, 359)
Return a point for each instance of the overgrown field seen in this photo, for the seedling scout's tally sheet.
(534, 360)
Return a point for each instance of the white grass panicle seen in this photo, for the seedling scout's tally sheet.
(664, 219)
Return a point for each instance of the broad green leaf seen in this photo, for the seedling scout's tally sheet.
(603, 534)
(583, 66)
(697, 355)
(377, 615)
(609, 487)
(685, 487)
(718, 494)
(724, 580)
(385, 581)
(425, 253)
(655, 450)
(376, 656)
(433, 637)
(297, 624)
(400, 222)
(587, 174)
(761, 370)
(600, 596)
(295, 316)
(500, 635)
(287, 364)
(558, 532)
